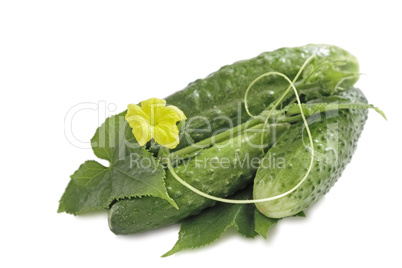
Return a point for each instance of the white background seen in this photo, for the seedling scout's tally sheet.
(56, 54)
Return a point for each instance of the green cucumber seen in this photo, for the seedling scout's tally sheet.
(219, 170)
(335, 135)
(216, 102)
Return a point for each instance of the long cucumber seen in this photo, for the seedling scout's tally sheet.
(220, 171)
(216, 102)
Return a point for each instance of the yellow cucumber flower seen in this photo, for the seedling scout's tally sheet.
(153, 119)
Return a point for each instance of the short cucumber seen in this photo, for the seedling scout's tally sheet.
(219, 171)
(335, 135)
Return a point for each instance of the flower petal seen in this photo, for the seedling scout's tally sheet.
(151, 106)
(167, 135)
(141, 128)
(133, 109)
(169, 115)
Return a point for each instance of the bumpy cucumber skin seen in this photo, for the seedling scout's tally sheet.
(141, 214)
(222, 93)
(335, 137)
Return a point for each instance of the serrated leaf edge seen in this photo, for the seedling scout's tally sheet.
(233, 224)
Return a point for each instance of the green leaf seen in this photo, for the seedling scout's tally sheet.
(133, 172)
(263, 223)
(112, 137)
(301, 214)
(209, 225)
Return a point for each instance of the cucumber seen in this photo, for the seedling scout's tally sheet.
(216, 102)
(219, 170)
(335, 135)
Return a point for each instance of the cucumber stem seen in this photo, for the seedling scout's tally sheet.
(221, 137)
